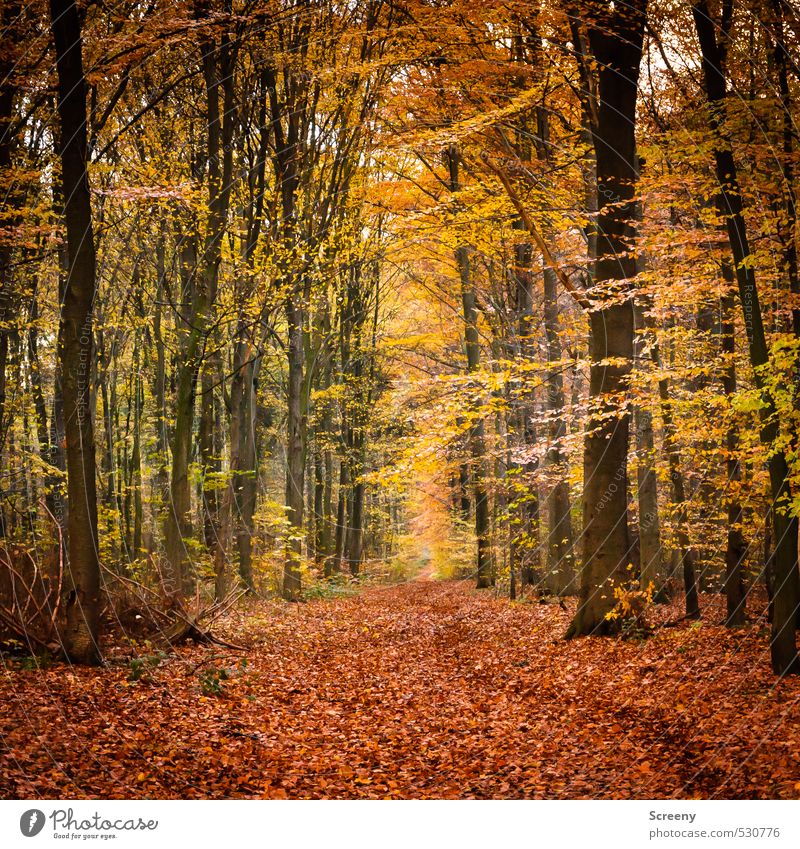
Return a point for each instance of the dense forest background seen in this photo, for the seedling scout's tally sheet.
(294, 293)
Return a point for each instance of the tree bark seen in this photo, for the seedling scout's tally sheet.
(651, 571)
(651, 559)
(783, 645)
(51, 479)
(341, 517)
(6, 304)
(200, 287)
(525, 550)
(243, 451)
(560, 558)
(81, 636)
(616, 37)
(161, 420)
(136, 457)
(787, 224)
(678, 491)
(484, 577)
(736, 548)
(295, 453)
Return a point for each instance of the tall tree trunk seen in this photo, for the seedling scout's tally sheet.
(161, 420)
(319, 507)
(323, 496)
(783, 645)
(341, 517)
(136, 457)
(560, 559)
(651, 559)
(178, 524)
(178, 519)
(286, 162)
(200, 287)
(329, 531)
(75, 342)
(356, 415)
(218, 73)
(243, 451)
(524, 543)
(464, 502)
(787, 224)
(210, 461)
(736, 548)
(477, 429)
(295, 452)
(6, 304)
(650, 555)
(615, 36)
(355, 525)
(677, 486)
(51, 479)
(246, 364)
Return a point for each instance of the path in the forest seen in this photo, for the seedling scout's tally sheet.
(424, 689)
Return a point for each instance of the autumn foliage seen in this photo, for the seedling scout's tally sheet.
(423, 690)
(301, 300)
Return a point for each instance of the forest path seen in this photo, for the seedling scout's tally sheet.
(424, 689)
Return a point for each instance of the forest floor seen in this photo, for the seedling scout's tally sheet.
(421, 690)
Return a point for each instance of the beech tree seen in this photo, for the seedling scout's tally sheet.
(76, 341)
(783, 563)
(615, 37)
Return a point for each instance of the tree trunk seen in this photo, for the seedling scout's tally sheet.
(651, 560)
(341, 517)
(136, 458)
(75, 342)
(200, 287)
(286, 162)
(328, 530)
(295, 453)
(678, 491)
(317, 501)
(6, 305)
(524, 544)
(51, 479)
(650, 554)
(161, 421)
(477, 429)
(356, 414)
(783, 645)
(560, 559)
(736, 548)
(615, 37)
(243, 451)
(107, 387)
(355, 528)
(178, 517)
(246, 364)
(787, 224)
(210, 461)
(218, 73)
(323, 495)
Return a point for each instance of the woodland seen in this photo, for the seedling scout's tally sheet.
(399, 399)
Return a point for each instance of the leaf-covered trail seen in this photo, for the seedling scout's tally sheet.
(424, 689)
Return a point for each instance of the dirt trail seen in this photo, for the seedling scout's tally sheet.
(426, 573)
(425, 689)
